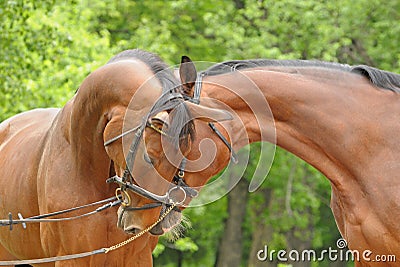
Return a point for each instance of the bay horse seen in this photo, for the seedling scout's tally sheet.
(342, 120)
(55, 159)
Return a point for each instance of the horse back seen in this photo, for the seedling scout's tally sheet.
(39, 119)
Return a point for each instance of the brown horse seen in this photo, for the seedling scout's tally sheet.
(342, 120)
(54, 159)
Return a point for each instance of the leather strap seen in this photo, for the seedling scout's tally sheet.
(53, 259)
(217, 132)
(197, 88)
(144, 207)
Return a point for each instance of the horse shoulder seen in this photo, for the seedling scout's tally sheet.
(21, 142)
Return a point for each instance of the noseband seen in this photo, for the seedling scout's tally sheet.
(180, 187)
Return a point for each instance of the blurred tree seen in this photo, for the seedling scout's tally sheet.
(230, 248)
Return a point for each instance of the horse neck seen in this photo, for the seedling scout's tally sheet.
(102, 100)
(88, 118)
(313, 112)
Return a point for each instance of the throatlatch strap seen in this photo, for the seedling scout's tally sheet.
(217, 132)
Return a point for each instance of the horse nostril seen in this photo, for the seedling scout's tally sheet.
(132, 230)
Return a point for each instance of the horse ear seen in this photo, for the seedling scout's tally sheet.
(188, 74)
(208, 114)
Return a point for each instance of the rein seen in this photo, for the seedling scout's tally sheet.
(90, 253)
(42, 218)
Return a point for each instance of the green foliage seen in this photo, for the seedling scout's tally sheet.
(49, 46)
(183, 245)
(46, 53)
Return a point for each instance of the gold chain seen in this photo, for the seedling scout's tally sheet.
(123, 243)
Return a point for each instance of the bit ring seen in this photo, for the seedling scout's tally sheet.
(123, 196)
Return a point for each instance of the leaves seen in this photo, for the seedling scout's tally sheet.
(46, 51)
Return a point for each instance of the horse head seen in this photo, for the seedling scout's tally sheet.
(187, 157)
(149, 157)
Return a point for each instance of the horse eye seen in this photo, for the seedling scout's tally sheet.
(147, 159)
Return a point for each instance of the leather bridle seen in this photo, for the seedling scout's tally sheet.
(127, 180)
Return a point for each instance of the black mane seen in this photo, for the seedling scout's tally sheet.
(156, 64)
(379, 78)
(152, 60)
(181, 125)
